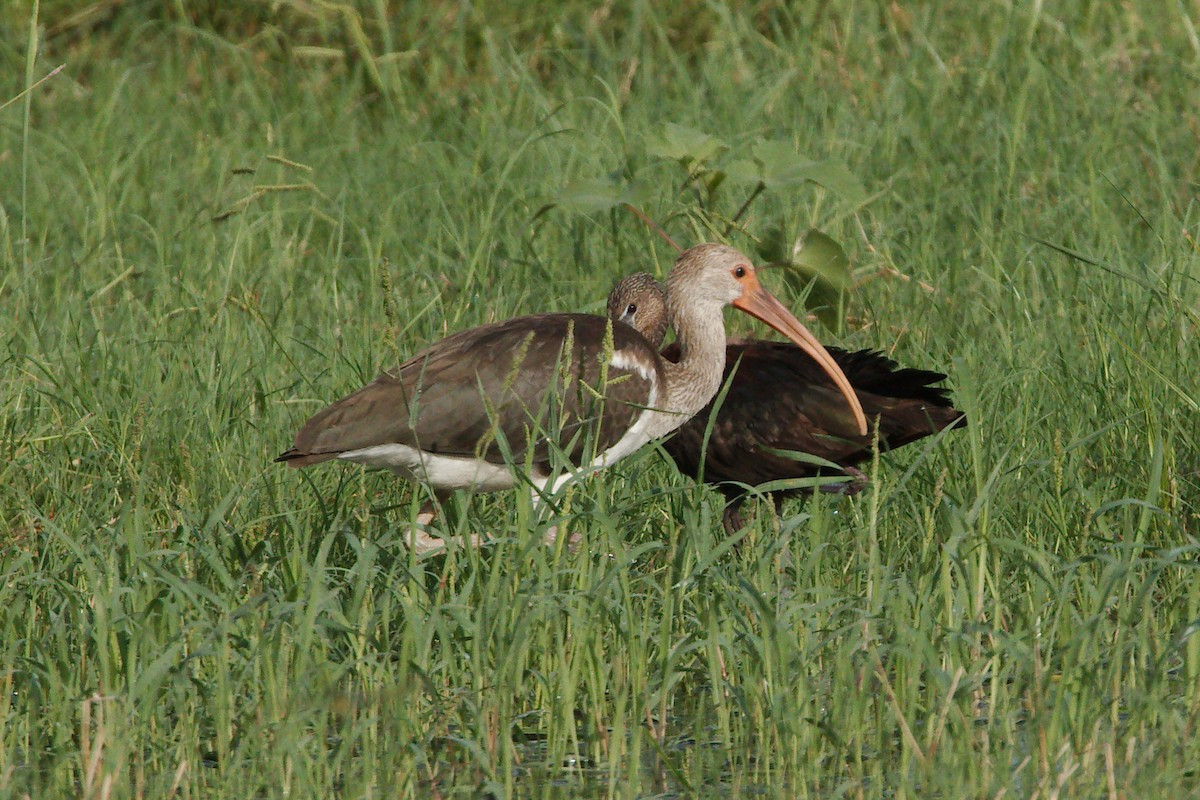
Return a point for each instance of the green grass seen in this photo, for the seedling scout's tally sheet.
(1009, 611)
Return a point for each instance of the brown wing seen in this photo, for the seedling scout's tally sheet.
(779, 399)
(529, 381)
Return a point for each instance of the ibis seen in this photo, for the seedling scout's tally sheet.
(488, 408)
(780, 408)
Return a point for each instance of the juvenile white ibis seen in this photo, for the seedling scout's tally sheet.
(474, 408)
(779, 401)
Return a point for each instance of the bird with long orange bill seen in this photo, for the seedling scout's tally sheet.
(782, 418)
(485, 409)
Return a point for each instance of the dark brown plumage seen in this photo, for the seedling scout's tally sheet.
(778, 400)
(434, 401)
(480, 407)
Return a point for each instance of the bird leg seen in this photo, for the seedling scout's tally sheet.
(424, 543)
(551, 535)
(732, 519)
(573, 541)
(420, 540)
(734, 522)
(859, 482)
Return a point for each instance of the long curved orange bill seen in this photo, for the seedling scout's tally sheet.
(761, 304)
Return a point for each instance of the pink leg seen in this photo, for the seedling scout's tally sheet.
(424, 543)
(860, 481)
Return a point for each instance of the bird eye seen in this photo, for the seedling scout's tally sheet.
(631, 308)
(739, 273)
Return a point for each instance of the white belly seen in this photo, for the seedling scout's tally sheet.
(643, 430)
(440, 472)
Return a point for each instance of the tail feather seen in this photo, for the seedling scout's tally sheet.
(296, 458)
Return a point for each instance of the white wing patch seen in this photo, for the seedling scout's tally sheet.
(631, 362)
(630, 441)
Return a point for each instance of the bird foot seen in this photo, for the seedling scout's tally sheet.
(858, 482)
(423, 543)
(733, 521)
(573, 541)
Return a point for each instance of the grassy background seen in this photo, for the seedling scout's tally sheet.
(219, 217)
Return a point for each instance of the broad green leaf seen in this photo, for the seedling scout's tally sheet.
(744, 170)
(685, 145)
(835, 176)
(777, 165)
(714, 181)
(814, 254)
(815, 266)
(589, 195)
(826, 303)
(773, 246)
(818, 254)
(820, 299)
